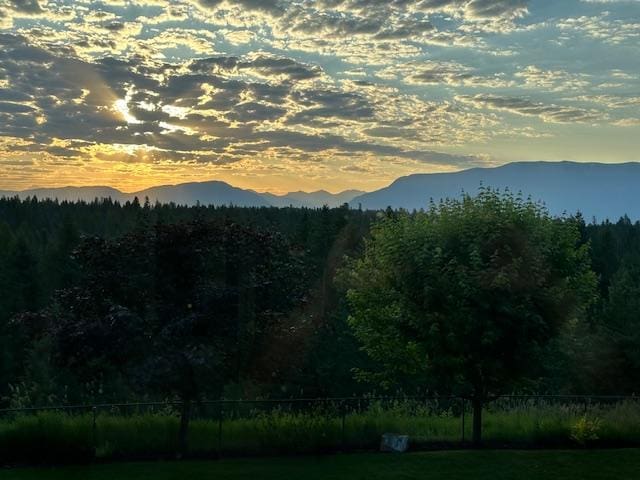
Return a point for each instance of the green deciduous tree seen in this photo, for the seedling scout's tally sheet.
(468, 292)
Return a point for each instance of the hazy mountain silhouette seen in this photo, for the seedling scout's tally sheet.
(205, 193)
(594, 189)
(312, 199)
(70, 194)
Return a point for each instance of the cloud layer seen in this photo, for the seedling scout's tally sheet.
(340, 92)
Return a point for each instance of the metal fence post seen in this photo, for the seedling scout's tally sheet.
(462, 401)
(344, 415)
(94, 428)
(220, 414)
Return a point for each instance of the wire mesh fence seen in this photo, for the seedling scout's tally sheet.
(292, 426)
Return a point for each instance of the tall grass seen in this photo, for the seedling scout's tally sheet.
(47, 437)
(55, 437)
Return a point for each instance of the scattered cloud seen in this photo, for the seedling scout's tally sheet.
(553, 80)
(523, 106)
(361, 89)
(443, 73)
(604, 28)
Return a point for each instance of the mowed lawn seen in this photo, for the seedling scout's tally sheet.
(464, 465)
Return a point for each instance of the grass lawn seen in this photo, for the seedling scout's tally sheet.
(464, 465)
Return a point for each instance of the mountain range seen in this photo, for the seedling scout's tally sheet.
(204, 193)
(597, 190)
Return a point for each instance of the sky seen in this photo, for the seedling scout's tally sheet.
(287, 95)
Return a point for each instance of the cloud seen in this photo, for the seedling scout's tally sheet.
(443, 73)
(316, 143)
(272, 7)
(309, 86)
(627, 122)
(221, 109)
(610, 1)
(552, 80)
(260, 65)
(491, 9)
(604, 28)
(30, 7)
(474, 9)
(611, 101)
(25, 9)
(526, 107)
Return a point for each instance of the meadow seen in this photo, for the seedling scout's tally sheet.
(53, 437)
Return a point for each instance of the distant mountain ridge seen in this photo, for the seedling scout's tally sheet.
(312, 199)
(603, 191)
(204, 193)
(70, 194)
(596, 190)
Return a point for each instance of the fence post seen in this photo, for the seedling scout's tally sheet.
(220, 414)
(462, 401)
(343, 411)
(94, 428)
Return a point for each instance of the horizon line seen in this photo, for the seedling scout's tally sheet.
(270, 192)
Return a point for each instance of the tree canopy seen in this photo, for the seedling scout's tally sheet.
(468, 292)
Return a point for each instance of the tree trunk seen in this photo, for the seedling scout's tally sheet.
(183, 434)
(477, 421)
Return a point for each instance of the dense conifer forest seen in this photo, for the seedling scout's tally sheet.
(289, 331)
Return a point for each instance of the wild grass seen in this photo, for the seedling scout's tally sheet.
(50, 437)
(56, 437)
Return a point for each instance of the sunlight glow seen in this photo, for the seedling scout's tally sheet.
(172, 128)
(121, 107)
(174, 111)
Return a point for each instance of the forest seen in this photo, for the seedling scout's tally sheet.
(93, 306)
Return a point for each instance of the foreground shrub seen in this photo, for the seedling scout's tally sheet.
(585, 430)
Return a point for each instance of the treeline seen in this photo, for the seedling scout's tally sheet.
(42, 261)
(290, 337)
